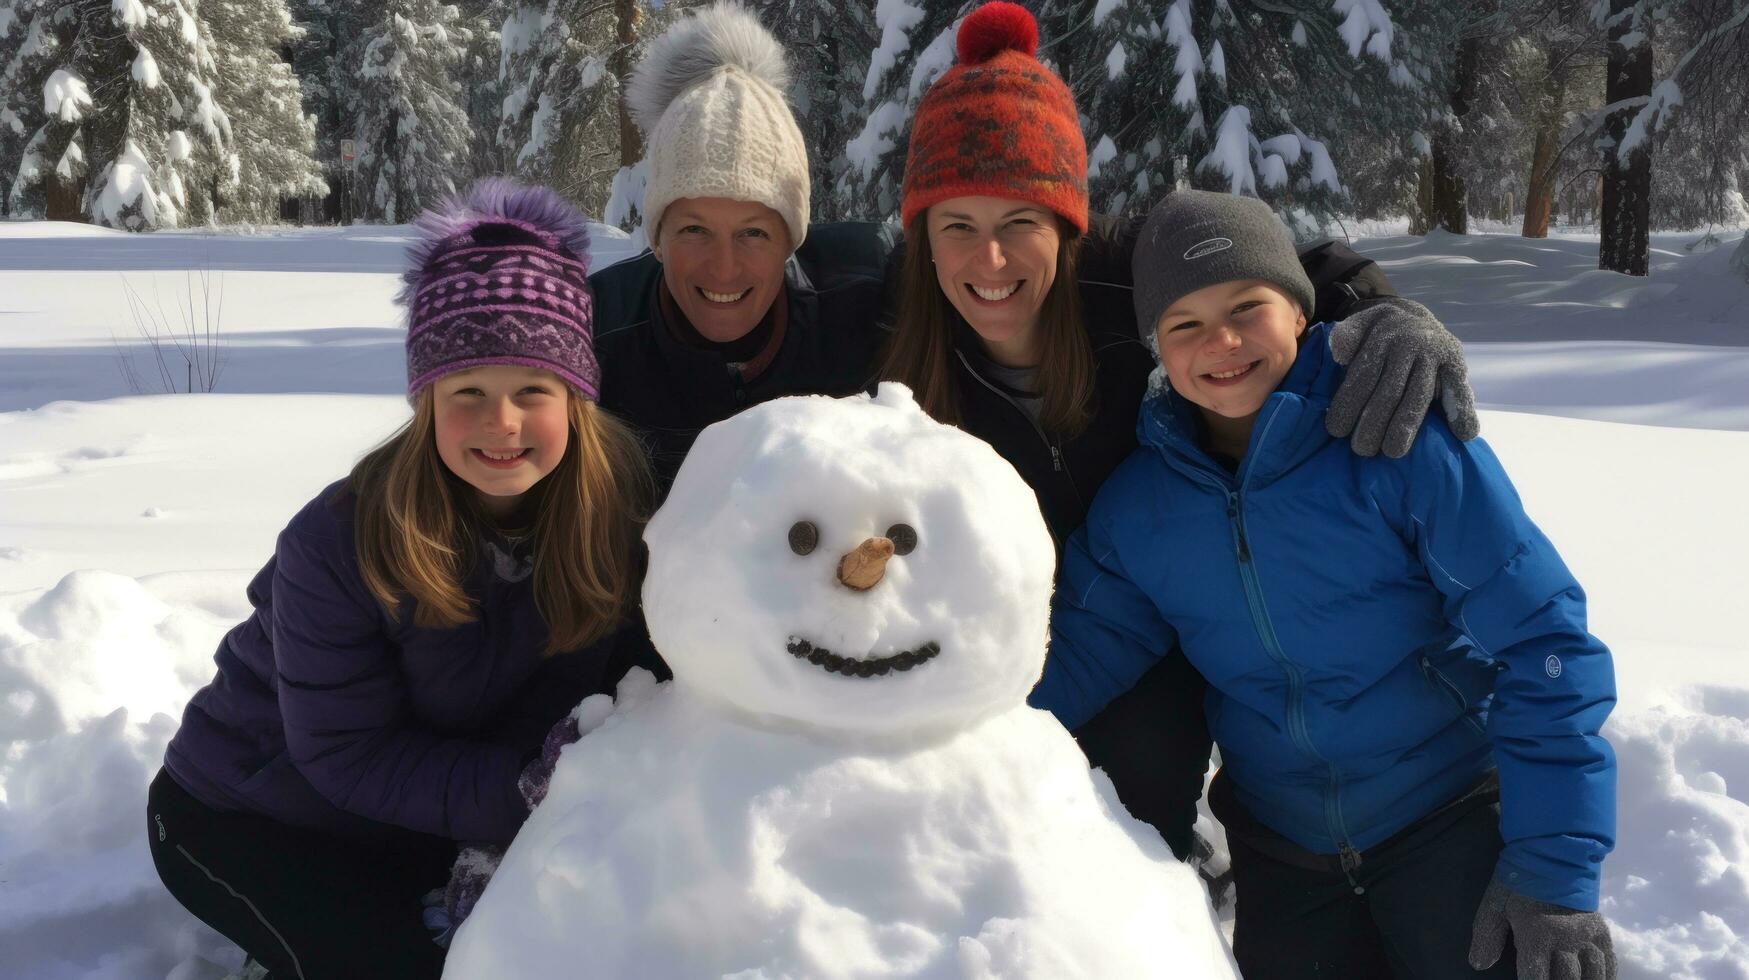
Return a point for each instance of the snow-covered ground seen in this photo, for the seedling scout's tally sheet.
(131, 519)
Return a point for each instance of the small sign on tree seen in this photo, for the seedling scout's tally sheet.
(348, 153)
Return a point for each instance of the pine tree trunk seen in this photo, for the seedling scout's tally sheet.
(62, 201)
(395, 212)
(1627, 184)
(340, 205)
(1420, 216)
(1539, 196)
(1447, 197)
(627, 19)
(1448, 204)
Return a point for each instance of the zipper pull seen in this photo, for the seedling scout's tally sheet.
(1350, 861)
(1238, 528)
(1056, 458)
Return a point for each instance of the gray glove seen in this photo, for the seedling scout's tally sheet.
(1399, 356)
(1554, 942)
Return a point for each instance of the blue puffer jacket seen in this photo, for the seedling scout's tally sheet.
(1377, 633)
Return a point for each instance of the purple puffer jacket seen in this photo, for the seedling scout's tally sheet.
(328, 714)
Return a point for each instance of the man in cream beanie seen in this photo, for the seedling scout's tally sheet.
(709, 97)
(738, 300)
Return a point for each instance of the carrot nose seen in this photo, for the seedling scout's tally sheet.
(862, 569)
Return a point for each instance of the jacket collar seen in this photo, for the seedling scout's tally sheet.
(1290, 427)
(797, 288)
(680, 334)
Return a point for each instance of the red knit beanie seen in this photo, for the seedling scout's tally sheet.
(998, 124)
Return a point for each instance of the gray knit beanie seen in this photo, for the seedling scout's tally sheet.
(1194, 239)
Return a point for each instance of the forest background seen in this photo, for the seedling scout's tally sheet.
(1619, 115)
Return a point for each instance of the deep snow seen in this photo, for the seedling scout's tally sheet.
(130, 523)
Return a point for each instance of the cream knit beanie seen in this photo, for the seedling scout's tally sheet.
(709, 97)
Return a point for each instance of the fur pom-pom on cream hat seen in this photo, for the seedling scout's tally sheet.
(709, 96)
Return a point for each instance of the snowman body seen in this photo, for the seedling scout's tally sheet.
(843, 779)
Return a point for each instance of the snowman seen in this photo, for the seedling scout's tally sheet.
(843, 779)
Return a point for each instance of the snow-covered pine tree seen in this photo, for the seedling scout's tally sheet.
(158, 136)
(412, 135)
(1252, 98)
(558, 124)
(320, 58)
(482, 92)
(1625, 231)
(1544, 65)
(1124, 83)
(130, 128)
(1258, 98)
(828, 44)
(1697, 117)
(273, 141)
(15, 130)
(17, 120)
(45, 101)
(916, 44)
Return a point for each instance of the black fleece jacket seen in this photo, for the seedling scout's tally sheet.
(670, 391)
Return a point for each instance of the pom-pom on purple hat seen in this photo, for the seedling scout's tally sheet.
(500, 276)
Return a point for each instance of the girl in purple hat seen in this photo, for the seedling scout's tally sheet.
(421, 624)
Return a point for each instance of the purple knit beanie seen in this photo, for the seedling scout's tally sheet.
(500, 276)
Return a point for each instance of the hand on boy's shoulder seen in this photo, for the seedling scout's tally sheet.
(1400, 358)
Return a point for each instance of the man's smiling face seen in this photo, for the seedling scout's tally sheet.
(722, 261)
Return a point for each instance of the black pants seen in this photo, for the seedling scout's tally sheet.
(1406, 914)
(303, 904)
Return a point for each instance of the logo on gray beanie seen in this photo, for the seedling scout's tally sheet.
(1209, 247)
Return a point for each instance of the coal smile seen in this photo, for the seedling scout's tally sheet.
(850, 667)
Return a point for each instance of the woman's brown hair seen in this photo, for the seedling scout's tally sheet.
(417, 523)
(920, 354)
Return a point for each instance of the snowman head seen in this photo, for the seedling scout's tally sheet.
(850, 564)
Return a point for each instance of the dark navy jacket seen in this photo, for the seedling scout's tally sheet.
(1376, 633)
(670, 391)
(328, 714)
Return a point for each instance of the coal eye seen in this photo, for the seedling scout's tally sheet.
(803, 537)
(903, 537)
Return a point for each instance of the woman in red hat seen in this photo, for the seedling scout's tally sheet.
(1015, 322)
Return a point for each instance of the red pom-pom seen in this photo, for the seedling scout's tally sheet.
(994, 28)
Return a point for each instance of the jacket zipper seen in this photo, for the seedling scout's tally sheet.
(1437, 678)
(1349, 857)
(1056, 453)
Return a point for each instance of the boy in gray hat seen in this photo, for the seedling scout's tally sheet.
(1400, 678)
(1222, 301)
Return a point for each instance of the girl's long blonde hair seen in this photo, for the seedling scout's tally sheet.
(417, 526)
